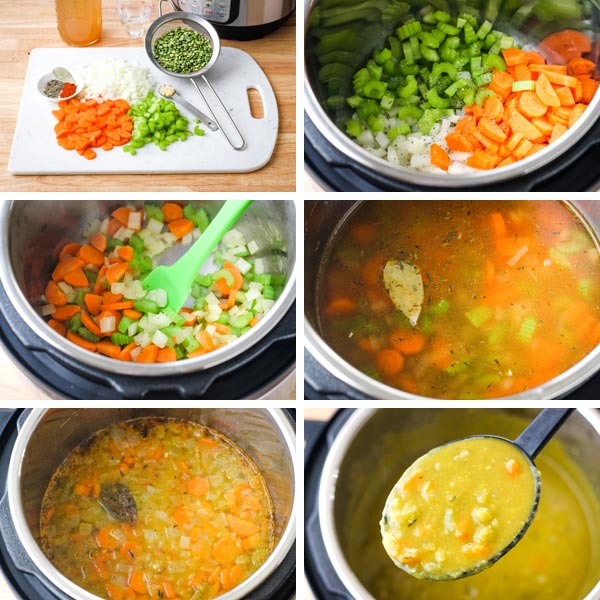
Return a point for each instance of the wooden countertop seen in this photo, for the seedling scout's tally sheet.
(29, 24)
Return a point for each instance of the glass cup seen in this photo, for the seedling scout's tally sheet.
(79, 21)
(135, 15)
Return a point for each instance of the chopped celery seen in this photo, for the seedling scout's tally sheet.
(203, 280)
(528, 327)
(520, 86)
(74, 323)
(120, 339)
(559, 258)
(145, 306)
(479, 315)
(225, 274)
(153, 212)
(86, 334)
(124, 324)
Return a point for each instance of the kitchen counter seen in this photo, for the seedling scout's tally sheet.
(31, 24)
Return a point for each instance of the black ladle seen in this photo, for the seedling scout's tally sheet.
(530, 443)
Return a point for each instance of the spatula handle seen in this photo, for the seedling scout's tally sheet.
(537, 434)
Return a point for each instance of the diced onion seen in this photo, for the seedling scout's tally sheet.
(48, 309)
(108, 324)
(134, 221)
(154, 226)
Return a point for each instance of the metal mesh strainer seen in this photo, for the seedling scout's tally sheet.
(173, 20)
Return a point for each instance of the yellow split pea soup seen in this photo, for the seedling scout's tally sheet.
(455, 509)
(461, 299)
(157, 508)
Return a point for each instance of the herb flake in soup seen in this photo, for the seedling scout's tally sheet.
(504, 295)
(457, 508)
(157, 508)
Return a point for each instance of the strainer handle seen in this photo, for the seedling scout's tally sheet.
(236, 146)
(160, 12)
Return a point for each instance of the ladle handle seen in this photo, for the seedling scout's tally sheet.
(236, 146)
(160, 12)
(538, 433)
(195, 111)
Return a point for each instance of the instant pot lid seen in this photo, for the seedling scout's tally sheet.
(26, 579)
(248, 375)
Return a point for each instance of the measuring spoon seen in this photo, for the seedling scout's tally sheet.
(462, 506)
(168, 91)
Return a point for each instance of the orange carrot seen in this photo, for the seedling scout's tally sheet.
(77, 278)
(70, 249)
(54, 295)
(64, 313)
(242, 527)
(66, 266)
(459, 142)
(148, 354)
(139, 581)
(180, 227)
(198, 486)
(363, 233)
(59, 327)
(76, 339)
(93, 303)
(518, 123)
(88, 322)
(514, 56)
(116, 272)
(110, 298)
(491, 129)
(389, 362)
(576, 113)
(126, 352)
(531, 106)
(481, 159)
(501, 84)
(121, 214)
(439, 157)
(545, 91)
(98, 240)
(408, 342)
(128, 304)
(89, 255)
(172, 212)
(340, 307)
(132, 314)
(493, 108)
(108, 348)
(206, 341)
(125, 253)
(564, 45)
(166, 355)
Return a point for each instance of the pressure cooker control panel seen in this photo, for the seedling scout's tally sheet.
(217, 11)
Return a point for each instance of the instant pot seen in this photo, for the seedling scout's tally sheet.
(240, 19)
(339, 164)
(328, 376)
(342, 452)
(259, 363)
(34, 442)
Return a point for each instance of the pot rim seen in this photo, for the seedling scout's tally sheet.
(563, 383)
(327, 489)
(73, 590)
(357, 154)
(97, 361)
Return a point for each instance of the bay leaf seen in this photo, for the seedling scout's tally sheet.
(404, 285)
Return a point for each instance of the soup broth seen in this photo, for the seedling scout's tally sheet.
(558, 558)
(157, 508)
(510, 295)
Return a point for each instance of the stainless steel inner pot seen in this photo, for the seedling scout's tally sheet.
(524, 22)
(322, 220)
(47, 436)
(32, 233)
(365, 440)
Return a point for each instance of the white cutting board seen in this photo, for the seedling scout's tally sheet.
(35, 151)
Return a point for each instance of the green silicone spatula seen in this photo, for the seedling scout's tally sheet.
(177, 278)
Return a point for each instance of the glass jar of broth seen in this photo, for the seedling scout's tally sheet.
(79, 21)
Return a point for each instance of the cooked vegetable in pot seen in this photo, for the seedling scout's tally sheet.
(157, 508)
(511, 295)
(455, 509)
(96, 299)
